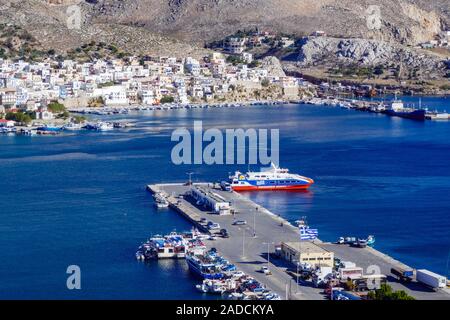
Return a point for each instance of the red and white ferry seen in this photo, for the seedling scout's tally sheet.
(272, 178)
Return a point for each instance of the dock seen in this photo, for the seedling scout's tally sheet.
(247, 246)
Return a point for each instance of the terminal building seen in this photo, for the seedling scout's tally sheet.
(210, 200)
(307, 252)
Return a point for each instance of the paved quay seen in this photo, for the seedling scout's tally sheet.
(247, 245)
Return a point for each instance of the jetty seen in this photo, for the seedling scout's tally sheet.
(252, 245)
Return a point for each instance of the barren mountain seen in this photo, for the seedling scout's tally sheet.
(67, 24)
(407, 21)
(181, 27)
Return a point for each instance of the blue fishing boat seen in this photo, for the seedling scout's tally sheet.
(202, 268)
(49, 128)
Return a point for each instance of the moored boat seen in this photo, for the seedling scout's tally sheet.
(398, 109)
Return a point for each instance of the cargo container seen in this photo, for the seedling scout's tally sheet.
(431, 279)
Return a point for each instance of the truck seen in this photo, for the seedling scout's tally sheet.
(225, 186)
(431, 279)
(320, 276)
(403, 274)
(347, 264)
(350, 273)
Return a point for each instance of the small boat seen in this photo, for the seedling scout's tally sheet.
(104, 126)
(50, 128)
(71, 126)
(162, 203)
(27, 132)
(370, 240)
(160, 200)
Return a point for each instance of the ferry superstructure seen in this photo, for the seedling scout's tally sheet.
(272, 178)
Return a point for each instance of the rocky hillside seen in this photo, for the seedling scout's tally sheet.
(51, 25)
(332, 51)
(140, 23)
(406, 21)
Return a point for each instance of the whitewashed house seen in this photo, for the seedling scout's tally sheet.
(113, 95)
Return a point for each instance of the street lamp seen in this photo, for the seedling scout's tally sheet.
(254, 222)
(243, 242)
(268, 252)
(298, 276)
(190, 177)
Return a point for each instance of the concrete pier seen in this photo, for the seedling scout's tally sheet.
(248, 244)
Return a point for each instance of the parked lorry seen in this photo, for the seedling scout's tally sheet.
(403, 275)
(369, 282)
(431, 279)
(350, 273)
(321, 276)
(347, 264)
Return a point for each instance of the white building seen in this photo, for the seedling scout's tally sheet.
(148, 97)
(113, 95)
(192, 66)
(44, 114)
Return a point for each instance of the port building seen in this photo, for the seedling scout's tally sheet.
(307, 252)
(211, 200)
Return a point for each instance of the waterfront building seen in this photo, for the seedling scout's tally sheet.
(307, 252)
(44, 114)
(113, 95)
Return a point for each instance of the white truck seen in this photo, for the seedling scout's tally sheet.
(431, 279)
(350, 273)
(321, 275)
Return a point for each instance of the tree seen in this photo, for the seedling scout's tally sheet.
(18, 117)
(386, 293)
(64, 115)
(56, 107)
(265, 83)
(78, 119)
(167, 99)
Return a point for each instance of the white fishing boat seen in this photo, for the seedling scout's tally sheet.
(161, 203)
(104, 126)
(72, 126)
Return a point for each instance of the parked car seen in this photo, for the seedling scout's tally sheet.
(203, 220)
(239, 223)
(265, 270)
(213, 226)
(224, 233)
(238, 274)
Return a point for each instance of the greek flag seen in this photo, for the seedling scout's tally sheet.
(308, 234)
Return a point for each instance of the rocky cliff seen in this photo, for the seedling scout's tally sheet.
(332, 51)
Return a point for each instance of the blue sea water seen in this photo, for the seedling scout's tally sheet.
(80, 199)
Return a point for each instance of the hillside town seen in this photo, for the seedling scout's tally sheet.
(30, 87)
